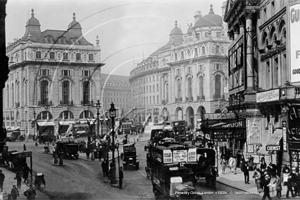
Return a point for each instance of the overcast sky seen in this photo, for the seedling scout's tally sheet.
(128, 30)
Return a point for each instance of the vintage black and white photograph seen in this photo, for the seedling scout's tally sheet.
(150, 99)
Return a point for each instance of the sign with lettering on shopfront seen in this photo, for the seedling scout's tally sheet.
(294, 125)
(273, 147)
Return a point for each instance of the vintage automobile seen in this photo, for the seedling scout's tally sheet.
(67, 149)
(130, 159)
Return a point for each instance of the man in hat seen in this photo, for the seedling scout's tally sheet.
(14, 192)
(30, 193)
(2, 177)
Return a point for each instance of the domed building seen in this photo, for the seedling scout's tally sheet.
(187, 77)
(54, 79)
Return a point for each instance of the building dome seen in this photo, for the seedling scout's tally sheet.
(176, 30)
(33, 21)
(74, 24)
(209, 20)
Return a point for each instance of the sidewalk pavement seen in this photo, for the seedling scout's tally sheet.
(9, 181)
(237, 181)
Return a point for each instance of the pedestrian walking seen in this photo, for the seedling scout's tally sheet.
(257, 177)
(14, 192)
(290, 185)
(278, 186)
(104, 165)
(266, 188)
(232, 164)
(26, 171)
(30, 193)
(2, 177)
(19, 179)
(223, 164)
(121, 176)
(246, 173)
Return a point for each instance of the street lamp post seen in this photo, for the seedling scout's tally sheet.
(98, 106)
(112, 114)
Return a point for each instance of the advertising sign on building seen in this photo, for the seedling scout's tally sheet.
(253, 130)
(294, 24)
(272, 95)
(284, 135)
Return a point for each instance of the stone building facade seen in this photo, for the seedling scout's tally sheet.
(188, 76)
(54, 78)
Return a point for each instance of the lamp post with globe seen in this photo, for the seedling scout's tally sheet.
(112, 114)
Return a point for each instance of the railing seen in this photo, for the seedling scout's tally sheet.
(68, 103)
(45, 103)
(179, 99)
(87, 103)
(189, 98)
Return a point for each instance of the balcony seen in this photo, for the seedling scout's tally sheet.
(87, 103)
(66, 103)
(45, 103)
(189, 98)
(17, 105)
(201, 97)
(179, 99)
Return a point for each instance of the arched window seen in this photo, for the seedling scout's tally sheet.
(218, 86)
(86, 92)
(86, 114)
(78, 56)
(178, 88)
(66, 115)
(44, 92)
(203, 50)
(44, 115)
(65, 92)
(38, 55)
(201, 92)
(91, 57)
(189, 88)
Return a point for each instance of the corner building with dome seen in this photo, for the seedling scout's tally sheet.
(187, 77)
(54, 79)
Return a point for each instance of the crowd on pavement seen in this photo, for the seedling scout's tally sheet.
(270, 180)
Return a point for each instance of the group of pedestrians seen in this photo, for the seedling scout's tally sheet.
(107, 172)
(291, 181)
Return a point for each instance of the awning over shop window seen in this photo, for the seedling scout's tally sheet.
(275, 137)
(45, 123)
(66, 122)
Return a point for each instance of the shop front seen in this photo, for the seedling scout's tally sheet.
(230, 136)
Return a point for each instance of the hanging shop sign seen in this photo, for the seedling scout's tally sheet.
(293, 16)
(284, 136)
(273, 147)
(271, 95)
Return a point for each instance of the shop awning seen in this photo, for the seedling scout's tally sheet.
(66, 122)
(275, 137)
(263, 151)
(45, 123)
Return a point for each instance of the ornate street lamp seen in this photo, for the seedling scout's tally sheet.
(112, 114)
(98, 106)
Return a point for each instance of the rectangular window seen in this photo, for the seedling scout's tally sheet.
(178, 71)
(265, 14)
(52, 56)
(189, 69)
(217, 66)
(157, 88)
(44, 72)
(200, 68)
(65, 72)
(268, 76)
(65, 56)
(85, 73)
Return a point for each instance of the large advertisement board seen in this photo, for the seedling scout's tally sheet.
(294, 24)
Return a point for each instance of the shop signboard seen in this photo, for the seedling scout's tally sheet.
(271, 95)
(294, 125)
(273, 147)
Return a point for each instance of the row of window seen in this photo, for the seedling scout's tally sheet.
(38, 55)
(196, 52)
